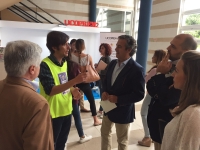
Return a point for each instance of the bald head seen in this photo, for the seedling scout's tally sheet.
(188, 42)
(180, 44)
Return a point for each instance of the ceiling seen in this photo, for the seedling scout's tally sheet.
(7, 3)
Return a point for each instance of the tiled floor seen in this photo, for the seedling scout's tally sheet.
(136, 133)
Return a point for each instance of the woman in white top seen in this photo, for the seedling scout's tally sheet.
(84, 59)
(156, 59)
(73, 50)
(182, 132)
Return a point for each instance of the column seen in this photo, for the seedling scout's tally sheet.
(143, 32)
(92, 10)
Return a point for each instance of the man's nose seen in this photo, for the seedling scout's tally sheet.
(168, 48)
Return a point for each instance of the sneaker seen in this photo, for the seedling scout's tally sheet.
(85, 139)
(100, 115)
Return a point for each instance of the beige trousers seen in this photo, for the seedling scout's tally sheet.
(121, 132)
(157, 146)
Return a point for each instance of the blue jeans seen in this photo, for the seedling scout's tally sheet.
(61, 128)
(77, 119)
(144, 112)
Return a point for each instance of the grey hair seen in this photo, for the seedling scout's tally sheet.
(20, 55)
(130, 43)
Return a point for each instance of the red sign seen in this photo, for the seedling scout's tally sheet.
(81, 23)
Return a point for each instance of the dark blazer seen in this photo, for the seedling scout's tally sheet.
(128, 87)
(163, 99)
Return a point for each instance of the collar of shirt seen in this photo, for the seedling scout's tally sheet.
(118, 68)
(35, 84)
(124, 62)
(55, 61)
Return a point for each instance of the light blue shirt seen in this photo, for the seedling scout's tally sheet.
(35, 84)
(118, 68)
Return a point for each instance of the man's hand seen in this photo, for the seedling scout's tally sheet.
(81, 77)
(76, 93)
(164, 66)
(104, 96)
(112, 98)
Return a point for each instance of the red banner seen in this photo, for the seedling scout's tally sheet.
(81, 23)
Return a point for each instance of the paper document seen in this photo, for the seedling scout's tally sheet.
(107, 105)
(101, 65)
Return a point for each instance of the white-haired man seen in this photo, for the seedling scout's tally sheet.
(25, 116)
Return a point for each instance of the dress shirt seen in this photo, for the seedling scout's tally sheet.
(118, 68)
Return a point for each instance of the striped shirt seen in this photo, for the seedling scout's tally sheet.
(45, 75)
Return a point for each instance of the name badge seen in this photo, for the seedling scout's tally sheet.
(63, 78)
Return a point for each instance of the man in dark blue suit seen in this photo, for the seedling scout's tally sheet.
(124, 86)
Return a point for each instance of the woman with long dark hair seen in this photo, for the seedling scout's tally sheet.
(73, 71)
(73, 50)
(84, 59)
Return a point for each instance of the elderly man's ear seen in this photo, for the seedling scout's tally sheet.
(32, 70)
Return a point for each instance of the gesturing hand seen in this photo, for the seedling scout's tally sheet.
(81, 77)
(164, 66)
(76, 94)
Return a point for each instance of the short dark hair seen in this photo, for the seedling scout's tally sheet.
(55, 39)
(108, 49)
(189, 43)
(131, 43)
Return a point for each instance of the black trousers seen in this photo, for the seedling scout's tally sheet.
(85, 87)
(61, 128)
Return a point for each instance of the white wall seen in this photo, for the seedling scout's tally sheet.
(164, 25)
(92, 40)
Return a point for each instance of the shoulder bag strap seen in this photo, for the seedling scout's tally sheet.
(88, 63)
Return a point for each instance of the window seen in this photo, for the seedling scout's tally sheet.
(191, 19)
(136, 19)
(118, 21)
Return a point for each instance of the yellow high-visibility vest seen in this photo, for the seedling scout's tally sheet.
(60, 104)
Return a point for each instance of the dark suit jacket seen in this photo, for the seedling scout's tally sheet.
(163, 99)
(128, 87)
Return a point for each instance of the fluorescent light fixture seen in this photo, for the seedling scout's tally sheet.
(63, 26)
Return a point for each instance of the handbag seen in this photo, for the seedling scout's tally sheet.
(92, 74)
